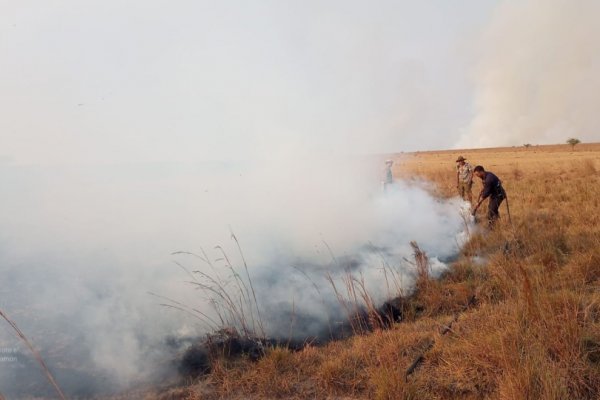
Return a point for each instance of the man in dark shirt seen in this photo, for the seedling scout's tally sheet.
(492, 188)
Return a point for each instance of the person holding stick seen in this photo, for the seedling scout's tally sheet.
(492, 188)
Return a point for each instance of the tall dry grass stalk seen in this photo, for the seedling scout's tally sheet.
(422, 265)
(35, 353)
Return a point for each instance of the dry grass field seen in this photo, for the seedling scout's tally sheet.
(533, 331)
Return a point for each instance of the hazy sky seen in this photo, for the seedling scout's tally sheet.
(146, 81)
(536, 74)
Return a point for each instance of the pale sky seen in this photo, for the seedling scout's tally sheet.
(100, 82)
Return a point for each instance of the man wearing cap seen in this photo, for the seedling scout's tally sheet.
(464, 179)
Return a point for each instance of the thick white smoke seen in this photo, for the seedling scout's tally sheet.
(82, 249)
(108, 106)
(537, 77)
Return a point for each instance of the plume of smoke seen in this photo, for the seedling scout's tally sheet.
(537, 80)
(85, 248)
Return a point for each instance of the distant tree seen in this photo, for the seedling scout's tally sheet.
(527, 145)
(573, 142)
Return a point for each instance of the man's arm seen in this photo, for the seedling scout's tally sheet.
(484, 194)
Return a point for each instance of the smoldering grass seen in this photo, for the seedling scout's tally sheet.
(422, 265)
(321, 298)
(231, 308)
(232, 298)
(216, 278)
(349, 302)
(359, 305)
(387, 283)
(292, 320)
(35, 353)
(375, 319)
(235, 309)
(361, 309)
(217, 286)
(394, 274)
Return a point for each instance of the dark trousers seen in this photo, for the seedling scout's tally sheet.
(493, 209)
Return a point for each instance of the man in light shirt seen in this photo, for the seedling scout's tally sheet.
(464, 179)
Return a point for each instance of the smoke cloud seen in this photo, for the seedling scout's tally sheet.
(82, 249)
(537, 79)
(134, 130)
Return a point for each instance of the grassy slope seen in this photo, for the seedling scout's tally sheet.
(534, 333)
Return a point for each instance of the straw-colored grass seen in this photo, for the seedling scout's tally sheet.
(534, 332)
